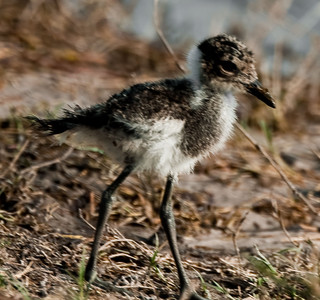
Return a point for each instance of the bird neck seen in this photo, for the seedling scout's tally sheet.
(194, 66)
(197, 75)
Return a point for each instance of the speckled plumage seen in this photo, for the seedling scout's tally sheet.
(133, 126)
(165, 127)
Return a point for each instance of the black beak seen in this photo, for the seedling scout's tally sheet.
(256, 89)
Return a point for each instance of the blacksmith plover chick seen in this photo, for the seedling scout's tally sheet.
(165, 127)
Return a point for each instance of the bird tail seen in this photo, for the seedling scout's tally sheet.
(71, 118)
(51, 126)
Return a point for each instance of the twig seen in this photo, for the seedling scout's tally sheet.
(25, 271)
(132, 243)
(235, 235)
(280, 219)
(23, 147)
(242, 130)
(48, 163)
(162, 37)
(84, 220)
(277, 168)
(316, 152)
(135, 287)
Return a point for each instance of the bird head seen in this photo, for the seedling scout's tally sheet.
(224, 63)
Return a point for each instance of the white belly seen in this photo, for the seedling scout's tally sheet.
(156, 150)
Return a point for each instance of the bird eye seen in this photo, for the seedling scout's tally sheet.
(228, 66)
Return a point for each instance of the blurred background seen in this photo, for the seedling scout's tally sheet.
(58, 53)
(119, 37)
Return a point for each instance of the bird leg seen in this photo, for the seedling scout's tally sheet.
(169, 226)
(104, 212)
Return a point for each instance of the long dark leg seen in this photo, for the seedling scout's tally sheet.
(104, 211)
(169, 226)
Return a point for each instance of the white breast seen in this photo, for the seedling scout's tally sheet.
(227, 118)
